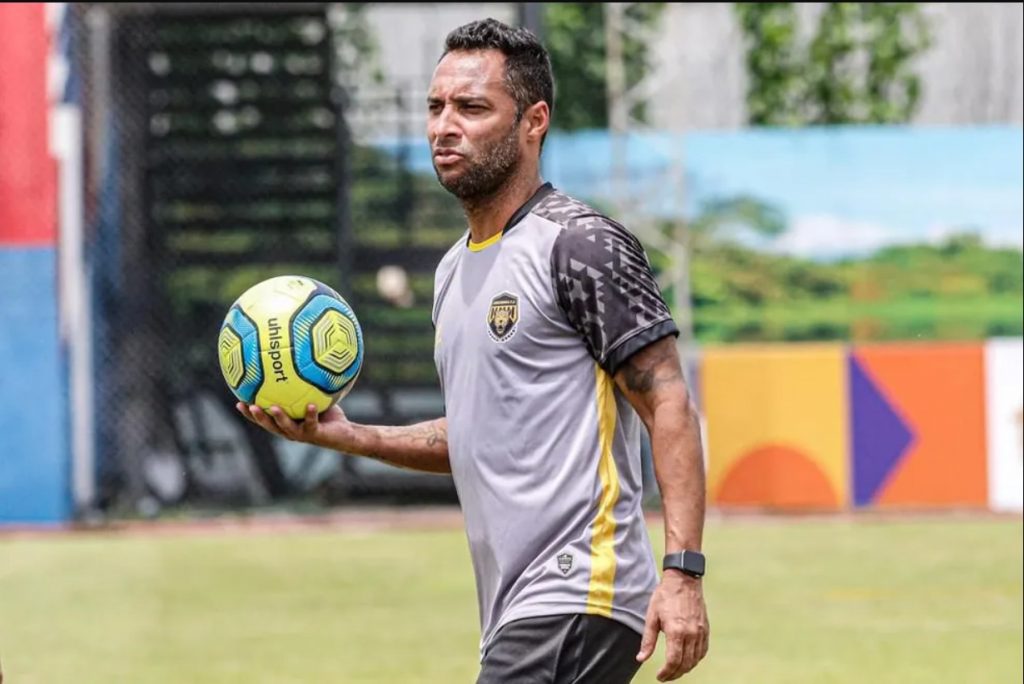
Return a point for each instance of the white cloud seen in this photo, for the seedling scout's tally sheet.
(828, 236)
(1004, 236)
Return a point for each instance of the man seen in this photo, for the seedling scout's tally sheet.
(553, 345)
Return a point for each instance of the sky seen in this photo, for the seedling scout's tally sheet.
(855, 189)
(843, 190)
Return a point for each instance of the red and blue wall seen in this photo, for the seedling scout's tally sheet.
(34, 464)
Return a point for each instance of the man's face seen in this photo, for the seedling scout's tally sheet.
(472, 125)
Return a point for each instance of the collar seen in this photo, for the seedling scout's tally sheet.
(517, 216)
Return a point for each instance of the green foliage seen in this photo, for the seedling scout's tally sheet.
(575, 38)
(729, 215)
(957, 289)
(858, 68)
(897, 33)
(356, 51)
(775, 94)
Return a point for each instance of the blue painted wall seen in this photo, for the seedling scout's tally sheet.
(34, 462)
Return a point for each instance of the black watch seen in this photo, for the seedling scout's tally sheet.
(688, 562)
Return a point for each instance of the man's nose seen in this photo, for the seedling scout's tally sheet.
(443, 126)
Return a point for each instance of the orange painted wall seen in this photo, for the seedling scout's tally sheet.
(777, 426)
(939, 391)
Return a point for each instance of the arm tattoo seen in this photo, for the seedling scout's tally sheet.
(430, 434)
(437, 434)
(651, 369)
(414, 446)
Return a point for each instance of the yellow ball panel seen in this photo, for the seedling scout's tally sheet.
(276, 296)
(283, 386)
(313, 396)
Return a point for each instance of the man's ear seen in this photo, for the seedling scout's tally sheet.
(537, 117)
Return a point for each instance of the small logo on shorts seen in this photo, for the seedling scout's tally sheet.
(565, 563)
(503, 316)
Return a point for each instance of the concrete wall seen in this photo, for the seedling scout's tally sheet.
(971, 75)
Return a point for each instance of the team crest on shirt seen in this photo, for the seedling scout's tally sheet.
(503, 317)
(565, 562)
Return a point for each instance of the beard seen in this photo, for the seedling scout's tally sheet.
(485, 172)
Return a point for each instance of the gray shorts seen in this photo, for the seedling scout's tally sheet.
(562, 649)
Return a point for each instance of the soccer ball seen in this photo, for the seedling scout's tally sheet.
(290, 341)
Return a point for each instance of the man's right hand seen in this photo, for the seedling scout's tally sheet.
(330, 429)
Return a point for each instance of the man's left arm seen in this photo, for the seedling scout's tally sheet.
(652, 380)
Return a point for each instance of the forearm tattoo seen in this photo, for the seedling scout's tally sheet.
(430, 434)
(423, 446)
(435, 434)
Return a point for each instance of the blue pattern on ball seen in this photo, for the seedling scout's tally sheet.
(302, 346)
(246, 331)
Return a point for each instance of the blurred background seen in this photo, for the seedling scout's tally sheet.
(830, 193)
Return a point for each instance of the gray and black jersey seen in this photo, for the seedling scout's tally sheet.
(530, 328)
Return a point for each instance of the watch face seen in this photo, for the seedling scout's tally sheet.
(693, 562)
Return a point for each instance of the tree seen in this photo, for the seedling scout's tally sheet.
(740, 213)
(575, 38)
(858, 68)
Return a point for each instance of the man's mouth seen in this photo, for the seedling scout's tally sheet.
(446, 157)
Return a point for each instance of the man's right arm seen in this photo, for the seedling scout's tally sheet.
(423, 446)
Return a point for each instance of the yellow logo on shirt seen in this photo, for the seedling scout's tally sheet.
(503, 317)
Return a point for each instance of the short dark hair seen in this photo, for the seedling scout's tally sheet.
(528, 75)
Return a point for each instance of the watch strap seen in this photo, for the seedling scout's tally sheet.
(690, 563)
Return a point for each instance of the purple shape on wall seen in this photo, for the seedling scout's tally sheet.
(880, 436)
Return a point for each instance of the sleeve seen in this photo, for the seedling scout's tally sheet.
(605, 287)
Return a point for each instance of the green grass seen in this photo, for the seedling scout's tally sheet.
(791, 600)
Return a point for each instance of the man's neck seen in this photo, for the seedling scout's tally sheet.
(487, 216)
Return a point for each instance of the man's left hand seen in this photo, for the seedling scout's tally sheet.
(677, 608)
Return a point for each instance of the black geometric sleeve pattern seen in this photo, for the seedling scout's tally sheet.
(604, 284)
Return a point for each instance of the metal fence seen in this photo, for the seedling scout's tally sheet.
(219, 153)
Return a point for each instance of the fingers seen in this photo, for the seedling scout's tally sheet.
(243, 408)
(691, 647)
(686, 648)
(268, 421)
(288, 427)
(311, 422)
(650, 639)
(276, 421)
(699, 637)
(674, 645)
(255, 415)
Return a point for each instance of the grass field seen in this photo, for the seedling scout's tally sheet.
(791, 600)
